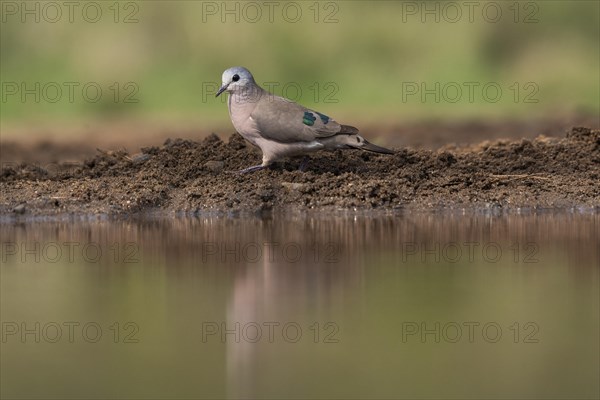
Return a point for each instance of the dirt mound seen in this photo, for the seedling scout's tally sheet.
(183, 175)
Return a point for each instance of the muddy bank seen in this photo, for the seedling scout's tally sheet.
(50, 144)
(184, 175)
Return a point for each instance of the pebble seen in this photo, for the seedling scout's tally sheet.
(293, 185)
(214, 166)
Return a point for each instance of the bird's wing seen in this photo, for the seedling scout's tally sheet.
(285, 121)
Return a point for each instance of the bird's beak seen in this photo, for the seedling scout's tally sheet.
(222, 89)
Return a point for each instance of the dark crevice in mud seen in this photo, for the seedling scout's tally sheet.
(189, 177)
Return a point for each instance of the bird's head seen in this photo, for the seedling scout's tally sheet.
(235, 79)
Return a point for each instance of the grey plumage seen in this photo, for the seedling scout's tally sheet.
(280, 127)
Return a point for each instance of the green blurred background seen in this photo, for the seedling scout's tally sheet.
(348, 58)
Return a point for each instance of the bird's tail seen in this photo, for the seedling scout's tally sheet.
(366, 145)
(351, 140)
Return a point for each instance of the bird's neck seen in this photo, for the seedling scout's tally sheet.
(247, 94)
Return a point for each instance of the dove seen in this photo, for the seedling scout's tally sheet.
(281, 127)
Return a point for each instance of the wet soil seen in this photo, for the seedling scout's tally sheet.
(200, 176)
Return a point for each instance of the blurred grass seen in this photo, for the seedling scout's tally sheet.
(373, 49)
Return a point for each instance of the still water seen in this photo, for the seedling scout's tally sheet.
(431, 305)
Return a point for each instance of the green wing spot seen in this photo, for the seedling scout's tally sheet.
(323, 117)
(309, 119)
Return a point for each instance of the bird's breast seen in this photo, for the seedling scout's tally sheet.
(240, 114)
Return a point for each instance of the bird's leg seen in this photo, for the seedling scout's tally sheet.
(304, 164)
(252, 169)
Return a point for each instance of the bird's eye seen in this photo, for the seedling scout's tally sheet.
(235, 78)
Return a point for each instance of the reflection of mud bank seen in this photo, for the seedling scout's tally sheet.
(184, 175)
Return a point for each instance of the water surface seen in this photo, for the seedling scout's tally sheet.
(429, 305)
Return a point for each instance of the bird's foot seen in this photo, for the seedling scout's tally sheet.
(252, 169)
(304, 164)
